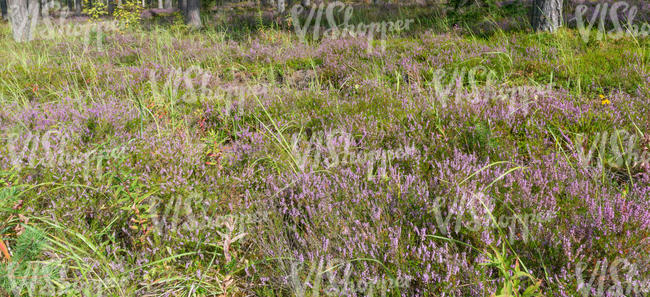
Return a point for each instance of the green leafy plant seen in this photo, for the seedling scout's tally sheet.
(95, 10)
(128, 14)
(514, 279)
(178, 24)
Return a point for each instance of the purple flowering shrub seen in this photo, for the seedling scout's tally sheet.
(172, 163)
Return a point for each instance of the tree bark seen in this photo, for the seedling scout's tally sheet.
(77, 7)
(168, 4)
(160, 4)
(182, 5)
(281, 5)
(23, 15)
(268, 2)
(546, 15)
(3, 7)
(111, 7)
(193, 16)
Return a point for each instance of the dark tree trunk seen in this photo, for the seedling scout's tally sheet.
(3, 7)
(546, 15)
(111, 7)
(168, 4)
(268, 2)
(193, 16)
(182, 5)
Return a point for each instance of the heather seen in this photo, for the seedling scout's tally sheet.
(462, 156)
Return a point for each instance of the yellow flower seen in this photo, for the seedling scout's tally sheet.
(604, 101)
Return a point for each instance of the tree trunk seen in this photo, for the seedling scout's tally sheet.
(193, 16)
(160, 4)
(3, 7)
(23, 16)
(182, 5)
(168, 4)
(77, 7)
(281, 5)
(546, 15)
(111, 7)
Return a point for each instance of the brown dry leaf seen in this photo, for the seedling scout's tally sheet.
(18, 205)
(227, 282)
(19, 229)
(23, 219)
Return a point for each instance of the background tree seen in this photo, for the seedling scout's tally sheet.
(192, 15)
(168, 4)
(23, 15)
(182, 5)
(281, 5)
(3, 7)
(546, 15)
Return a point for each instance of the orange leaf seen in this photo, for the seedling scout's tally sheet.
(4, 250)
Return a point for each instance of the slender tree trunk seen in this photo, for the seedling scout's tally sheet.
(182, 5)
(3, 7)
(111, 7)
(168, 4)
(546, 15)
(193, 15)
(160, 4)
